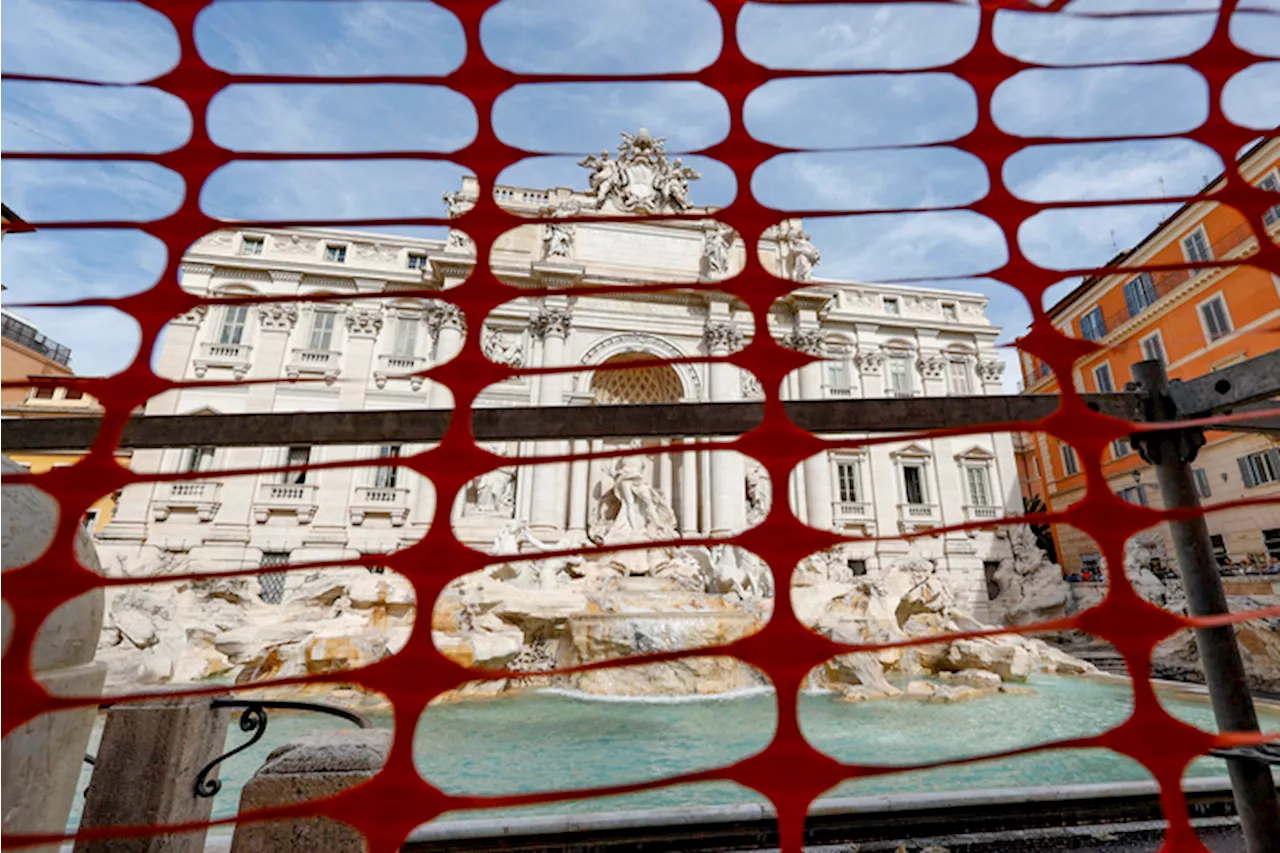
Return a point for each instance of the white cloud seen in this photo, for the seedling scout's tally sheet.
(1079, 238)
(1102, 171)
(886, 247)
(352, 117)
(871, 180)
(69, 117)
(119, 42)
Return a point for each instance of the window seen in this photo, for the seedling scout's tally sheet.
(949, 312)
(958, 377)
(73, 394)
(417, 262)
(1220, 554)
(1259, 468)
(405, 343)
(1102, 379)
(1139, 294)
(900, 374)
(1272, 184)
(1070, 464)
(1214, 318)
(271, 584)
(90, 520)
(42, 392)
(891, 305)
(838, 373)
(1195, 246)
(296, 457)
(321, 330)
(1271, 541)
(848, 480)
(251, 246)
(337, 254)
(1202, 482)
(1153, 348)
(1092, 326)
(233, 320)
(978, 478)
(197, 459)
(1134, 495)
(913, 484)
(384, 476)
(1121, 448)
(857, 568)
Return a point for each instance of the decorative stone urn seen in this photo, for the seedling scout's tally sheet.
(42, 758)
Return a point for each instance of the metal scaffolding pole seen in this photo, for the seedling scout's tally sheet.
(1171, 453)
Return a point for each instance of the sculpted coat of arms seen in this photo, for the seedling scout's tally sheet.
(642, 179)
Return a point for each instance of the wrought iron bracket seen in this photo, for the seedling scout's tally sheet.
(253, 719)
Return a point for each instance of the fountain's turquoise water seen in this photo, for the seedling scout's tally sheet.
(546, 742)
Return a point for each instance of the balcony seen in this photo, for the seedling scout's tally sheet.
(380, 500)
(198, 496)
(914, 516)
(397, 367)
(841, 391)
(297, 498)
(233, 357)
(851, 510)
(901, 393)
(982, 513)
(313, 362)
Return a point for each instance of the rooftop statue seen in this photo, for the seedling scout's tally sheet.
(642, 179)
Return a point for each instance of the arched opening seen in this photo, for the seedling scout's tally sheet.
(657, 384)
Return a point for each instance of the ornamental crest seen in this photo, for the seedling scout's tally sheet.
(642, 179)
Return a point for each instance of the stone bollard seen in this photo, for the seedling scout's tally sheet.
(145, 773)
(42, 758)
(310, 768)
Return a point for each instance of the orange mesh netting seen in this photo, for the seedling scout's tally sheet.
(789, 771)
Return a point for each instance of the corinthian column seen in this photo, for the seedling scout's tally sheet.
(446, 324)
(728, 474)
(817, 468)
(547, 515)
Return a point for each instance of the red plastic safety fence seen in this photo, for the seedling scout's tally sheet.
(788, 771)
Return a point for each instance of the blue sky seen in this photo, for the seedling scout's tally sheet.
(861, 134)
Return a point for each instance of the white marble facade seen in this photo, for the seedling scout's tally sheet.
(878, 341)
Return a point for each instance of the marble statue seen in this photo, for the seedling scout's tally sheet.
(557, 240)
(759, 493)
(716, 243)
(804, 256)
(456, 204)
(642, 178)
(632, 510)
(496, 492)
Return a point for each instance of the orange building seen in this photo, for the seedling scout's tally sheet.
(1195, 321)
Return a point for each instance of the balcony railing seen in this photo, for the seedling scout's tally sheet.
(233, 357)
(298, 498)
(315, 362)
(981, 513)
(912, 514)
(380, 500)
(839, 391)
(900, 392)
(398, 367)
(851, 510)
(198, 496)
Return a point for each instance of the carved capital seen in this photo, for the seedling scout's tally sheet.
(931, 366)
(871, 361)
(364, 322)
(194, 317)
(444, 315)
(990, 370)
(722, 336)
(554, 322)
(277, 316)
(807, 342)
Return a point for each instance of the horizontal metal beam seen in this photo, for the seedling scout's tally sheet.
(1266, 418)
(1230, 388)
(562, 422)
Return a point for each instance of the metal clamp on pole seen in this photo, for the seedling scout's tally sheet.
(1171, 452)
